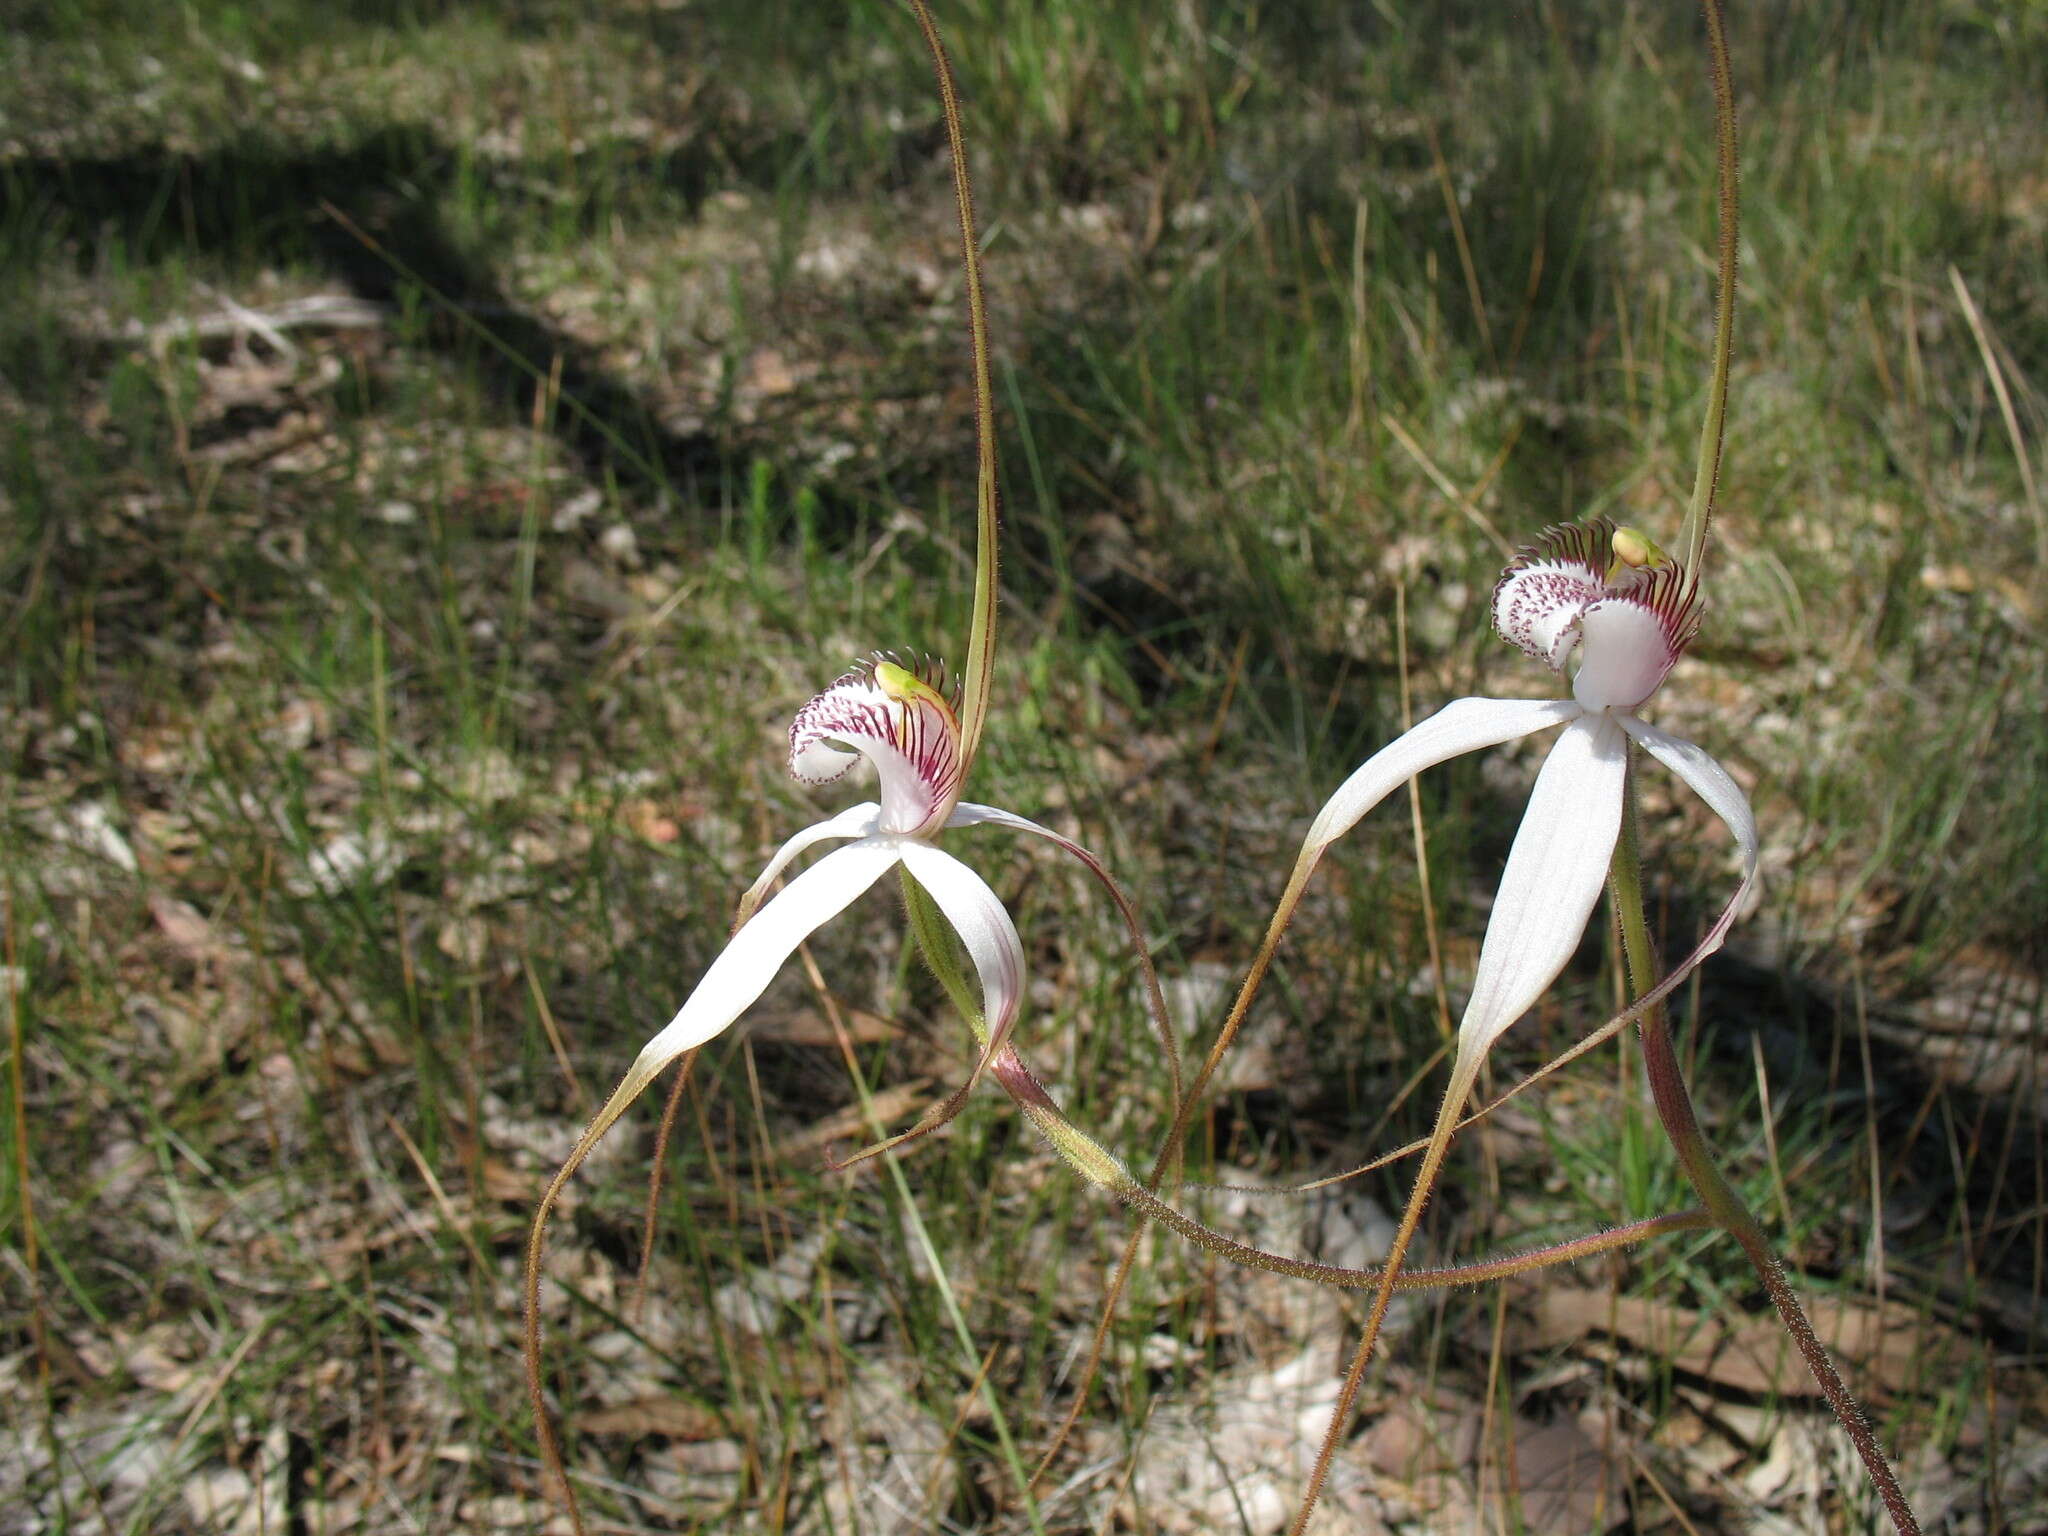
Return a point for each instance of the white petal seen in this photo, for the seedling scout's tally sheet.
(1710, 781)
(984, 925)
(1554, 874)
(855, 821)
(1464, 725)
(747, 964)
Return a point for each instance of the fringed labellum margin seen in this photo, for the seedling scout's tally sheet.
(904, 720)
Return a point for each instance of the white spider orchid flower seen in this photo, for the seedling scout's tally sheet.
(900, 719)
(1608, 600)
(903, 721)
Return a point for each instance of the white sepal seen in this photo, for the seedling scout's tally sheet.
(854, 821)
(984, 926)
(747, 964)
(1554, 875)
(1465, 725)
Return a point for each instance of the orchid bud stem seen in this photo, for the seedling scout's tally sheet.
(1682, 1126)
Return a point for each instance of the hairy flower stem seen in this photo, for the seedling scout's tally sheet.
(631, 1088)
(1463, 1074)
(1170, 1151)
(1682, 1126)
(1102, 1169)
(1176, 1138)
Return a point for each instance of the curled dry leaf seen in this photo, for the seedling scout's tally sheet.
(671, 1417)
(890, 1105)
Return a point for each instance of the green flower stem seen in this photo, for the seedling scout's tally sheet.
(934, 941)
(1682, 1126)
(933, 938)
(981, 634)
(1693, 534)
(1464, 1073)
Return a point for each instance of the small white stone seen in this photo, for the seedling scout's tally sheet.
(620, 544)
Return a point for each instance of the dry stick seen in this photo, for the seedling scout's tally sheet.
(1464, 1072)
(1415, 822)
(2005, 411)
(553, 1031)
(1097, 1344)
(630, 1088)
(1472, 291)
(654, 1174)
(14, 980)
(1169, 1152)
(1155, 998)
(924, 918)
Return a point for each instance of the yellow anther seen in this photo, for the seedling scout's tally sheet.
(1634, 550)
(906, 687)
